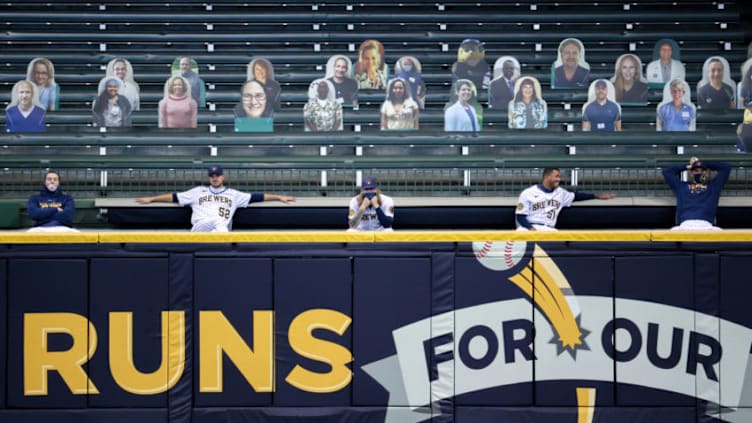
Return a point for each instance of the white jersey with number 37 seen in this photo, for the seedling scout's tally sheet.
(213, 206)
(541, 206)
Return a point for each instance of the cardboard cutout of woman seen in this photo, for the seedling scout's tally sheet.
(122, 69)
(24, 113)
(666, 64)
(322, 112)
(463, 113)
(261, 70)
(601, 112)
(178, 109)
(41, 72)
(409, 69)
(676, 112)
(339, 71)
(715, 91)
(253, 113)
(527, 110)
(471, 64)
(570, 70)
(399, 110)
(501, 89)
(110, 108)
(371, 71)
(745, 85)
(630, 85)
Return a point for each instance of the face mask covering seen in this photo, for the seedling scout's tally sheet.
(369, 195)
(407, 68)
(699, 177)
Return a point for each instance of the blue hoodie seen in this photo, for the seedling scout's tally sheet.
(42, 208)
(697, 200)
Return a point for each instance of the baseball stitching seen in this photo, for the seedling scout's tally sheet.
(508, 260)
(484, 251)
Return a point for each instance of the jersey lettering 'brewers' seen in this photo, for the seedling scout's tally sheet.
(214, 206)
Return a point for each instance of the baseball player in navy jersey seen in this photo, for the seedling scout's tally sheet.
(371, 210)
(697, 199)
(538, 206)
(213, 206)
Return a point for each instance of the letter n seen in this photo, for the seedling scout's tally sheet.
(218, 336)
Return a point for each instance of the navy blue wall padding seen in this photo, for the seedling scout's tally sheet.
(290, 415)
(292, 249)
(180, 297)
(55, 285)
(442, 287)
(665, 280)
(734, 284)
(154, 415)
(291, 217)
(404, 284)
(150, 217)
(299, 285)
(135, 285)
(706, 278)
(250, 282)
(596, 217)
(3, 328)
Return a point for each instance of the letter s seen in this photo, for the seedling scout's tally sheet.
(304, 343)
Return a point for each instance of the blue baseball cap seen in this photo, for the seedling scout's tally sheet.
(215, 170)
(369, 183)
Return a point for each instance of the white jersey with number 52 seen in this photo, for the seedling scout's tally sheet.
(207, 204)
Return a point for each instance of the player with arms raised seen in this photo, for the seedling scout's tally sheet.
(697, 199)
(213, 206)
(538, 206)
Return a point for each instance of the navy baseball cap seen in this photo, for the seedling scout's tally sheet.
(698, 165)
(369, 183)
(215, 170)
(601, 83)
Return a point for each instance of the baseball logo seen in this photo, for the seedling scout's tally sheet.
(499, 255)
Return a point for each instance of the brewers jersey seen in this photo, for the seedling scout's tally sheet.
(213, 211)
(541, 206)
(370, 220)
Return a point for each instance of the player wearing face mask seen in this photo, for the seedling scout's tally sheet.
(697, 199)
(371, 210)
(51, 210)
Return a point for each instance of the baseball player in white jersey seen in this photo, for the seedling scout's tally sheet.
(213, 206)
(371, 210)
(538, 206)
